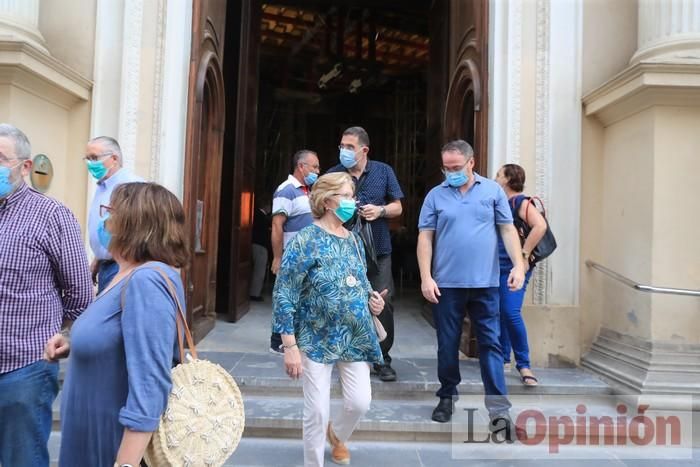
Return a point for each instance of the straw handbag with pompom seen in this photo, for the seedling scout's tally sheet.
(203, 422)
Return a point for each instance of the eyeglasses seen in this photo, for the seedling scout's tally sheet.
(347, 146)
(314, 167)
(104, 210)
(343, 195)
(4, 161)
(444, 170)
(95, 157)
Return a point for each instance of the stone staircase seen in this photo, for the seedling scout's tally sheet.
(400, 410)
(397, 430)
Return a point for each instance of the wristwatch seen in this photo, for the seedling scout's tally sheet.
(117, 464)
(382, 211)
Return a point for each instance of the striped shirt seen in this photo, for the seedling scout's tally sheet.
(292, 200)
(44, 275)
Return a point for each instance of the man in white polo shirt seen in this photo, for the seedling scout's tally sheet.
(291, 212)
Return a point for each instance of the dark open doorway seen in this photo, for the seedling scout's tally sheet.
(325, 66)
(298, 72)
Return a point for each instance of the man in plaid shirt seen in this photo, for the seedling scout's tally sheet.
(44, 284)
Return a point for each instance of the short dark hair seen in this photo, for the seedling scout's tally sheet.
(516, 177)
(362, 136)
(299, 156)
(148, 224)
(460, 146)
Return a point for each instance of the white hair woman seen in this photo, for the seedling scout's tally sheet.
(320, 302)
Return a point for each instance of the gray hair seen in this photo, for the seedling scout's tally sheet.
(460, 146)
(300, 156)
(360, 133)
(110, 144)
(23, 150)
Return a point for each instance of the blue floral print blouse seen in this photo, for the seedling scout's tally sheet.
(321, 296)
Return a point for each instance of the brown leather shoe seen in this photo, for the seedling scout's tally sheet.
(339, 452)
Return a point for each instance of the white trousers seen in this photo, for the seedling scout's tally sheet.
(357, 395)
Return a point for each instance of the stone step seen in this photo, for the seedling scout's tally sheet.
(265, 452)
(263, 374)
(401, 420)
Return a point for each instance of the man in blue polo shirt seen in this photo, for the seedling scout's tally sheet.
(291, 212)
(379, 195)
(458, 260)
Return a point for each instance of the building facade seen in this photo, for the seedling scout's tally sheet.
(598, 100)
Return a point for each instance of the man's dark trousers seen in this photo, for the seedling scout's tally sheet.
(448, 314)
(380, 280)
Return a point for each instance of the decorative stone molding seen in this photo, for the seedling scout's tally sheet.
(30, 69)
(515, 57)
(19, 22)
(130, 80)
(161, 25)
(641, 86)
(505, 72)
(636, 366)
(668, 30)
(542, 136)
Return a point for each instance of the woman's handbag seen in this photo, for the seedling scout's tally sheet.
(203, 422)
(378, 326)
(547, 243)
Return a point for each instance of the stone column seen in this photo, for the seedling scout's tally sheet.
(649, 344)
(19, 22)
(668, 30)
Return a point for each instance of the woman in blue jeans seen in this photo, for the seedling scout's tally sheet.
(511, 177)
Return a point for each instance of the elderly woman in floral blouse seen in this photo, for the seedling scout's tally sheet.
(320, 301)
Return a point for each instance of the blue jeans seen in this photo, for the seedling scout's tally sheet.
(26, 396)
(448, 314)
(105, 274)
(512, 325)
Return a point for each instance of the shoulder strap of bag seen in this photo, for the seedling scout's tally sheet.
(180, 315)
(357, 247)
(516, 202)
(532, 200)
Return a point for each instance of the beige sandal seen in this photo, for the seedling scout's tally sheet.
(528, 380)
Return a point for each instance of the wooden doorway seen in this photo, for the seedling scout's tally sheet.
(205, 132)
(242, 41)
(466, 109)
(465, 104)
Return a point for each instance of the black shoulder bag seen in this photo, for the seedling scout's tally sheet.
(547, 244)
(364, 229)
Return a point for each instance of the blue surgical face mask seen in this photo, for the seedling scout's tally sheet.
(104, 235)
(311, 178)
(6, 185)
(347, 158)
(456, 179)
(345, 209)
(97, 169)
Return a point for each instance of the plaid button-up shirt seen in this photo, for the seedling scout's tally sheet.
(44, 275)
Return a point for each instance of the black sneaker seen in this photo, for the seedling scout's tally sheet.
(443, 412)
(385, 372)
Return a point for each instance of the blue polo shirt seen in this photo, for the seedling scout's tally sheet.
(377, 185)
(465, 247)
